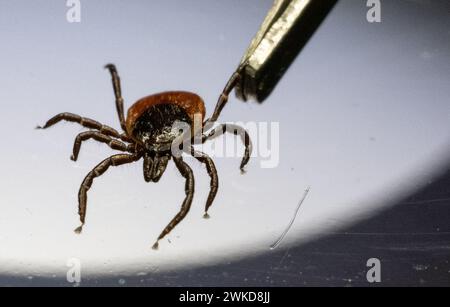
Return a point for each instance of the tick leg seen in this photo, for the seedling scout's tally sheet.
(103, 138)
(117, 93)
(223, 98)
(214, 183)
(187, 173)
(101, 168)
(235, 129)
(85, 122)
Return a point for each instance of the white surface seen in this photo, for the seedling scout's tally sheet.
(363, 114)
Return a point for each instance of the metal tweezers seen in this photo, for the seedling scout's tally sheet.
(285, 31)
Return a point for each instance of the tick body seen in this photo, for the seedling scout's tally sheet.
(148, 133)
(151, 120)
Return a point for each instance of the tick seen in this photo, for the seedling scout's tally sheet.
(148, 133)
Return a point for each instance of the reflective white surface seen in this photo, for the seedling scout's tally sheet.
(363, 116)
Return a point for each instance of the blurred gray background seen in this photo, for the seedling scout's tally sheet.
(363, 116)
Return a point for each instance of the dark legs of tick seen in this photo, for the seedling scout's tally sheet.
(223, 98)
(211, 169)
(236, 130)
(99, 170)
(117, 93)
(99, 137)
(187, 173)
(86, 123)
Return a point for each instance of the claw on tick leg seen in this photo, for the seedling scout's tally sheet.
(79, 229)
(110, 66)
(155, 246)
(206, 215)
